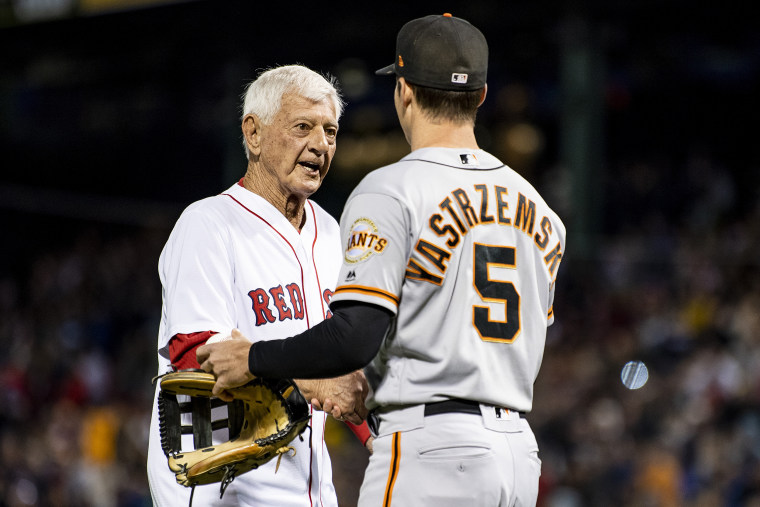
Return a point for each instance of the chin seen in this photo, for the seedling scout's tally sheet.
(306, 190)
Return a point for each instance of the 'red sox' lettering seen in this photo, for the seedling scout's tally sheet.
(287, 302)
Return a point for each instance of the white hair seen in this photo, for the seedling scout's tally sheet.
(263, 96)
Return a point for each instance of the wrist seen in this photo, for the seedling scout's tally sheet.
(309, 388)
(252, 360)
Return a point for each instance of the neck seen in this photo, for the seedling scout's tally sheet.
(423, 133)
(291, 206)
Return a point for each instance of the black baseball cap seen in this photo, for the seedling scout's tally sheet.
(440, 51)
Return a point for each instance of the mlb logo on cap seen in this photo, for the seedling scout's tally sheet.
(459, 78)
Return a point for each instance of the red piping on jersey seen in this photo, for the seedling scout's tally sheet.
(320, 500)
(324, 428)
(314, 261)
(306, 306)
(311, 454)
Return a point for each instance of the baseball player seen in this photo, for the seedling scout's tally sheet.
(445, 293)
(261, 258)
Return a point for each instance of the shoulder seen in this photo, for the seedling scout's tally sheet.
(390, 179)
(525, 187)
(322, 218)
(208, 210)
(203, 221)
(318, 211)
(527, 200)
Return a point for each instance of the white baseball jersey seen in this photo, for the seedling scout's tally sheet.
(234, 261)
(465, 252)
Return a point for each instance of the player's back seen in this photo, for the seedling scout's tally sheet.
(483, 250)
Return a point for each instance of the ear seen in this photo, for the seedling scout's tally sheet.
(405, 91)
(251, 128)
(483, 93)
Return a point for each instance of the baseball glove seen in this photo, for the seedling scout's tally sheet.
(265, 416)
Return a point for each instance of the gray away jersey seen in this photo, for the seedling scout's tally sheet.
(465, 252)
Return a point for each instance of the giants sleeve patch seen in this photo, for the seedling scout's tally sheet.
(363, 241)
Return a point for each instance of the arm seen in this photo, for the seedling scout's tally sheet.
(337, 346)
(194, 268)
(346, 342)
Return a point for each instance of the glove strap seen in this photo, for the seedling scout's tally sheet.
(229, 476)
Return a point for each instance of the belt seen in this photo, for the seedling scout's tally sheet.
(454, 405)
(457, 405)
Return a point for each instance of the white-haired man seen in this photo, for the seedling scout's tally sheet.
(263, 258)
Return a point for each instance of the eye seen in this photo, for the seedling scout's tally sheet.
(331, 132)
(303, 126)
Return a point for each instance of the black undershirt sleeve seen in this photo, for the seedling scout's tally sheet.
(344, 343)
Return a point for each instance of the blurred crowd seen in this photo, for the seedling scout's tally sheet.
(78, 330)
(674, 283)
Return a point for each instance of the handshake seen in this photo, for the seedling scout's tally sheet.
(226, 357)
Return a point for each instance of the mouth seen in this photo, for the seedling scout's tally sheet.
(311, 167)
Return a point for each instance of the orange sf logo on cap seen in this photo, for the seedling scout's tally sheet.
(400, 61)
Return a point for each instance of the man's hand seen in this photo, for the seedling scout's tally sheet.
(342, 397)
(227, 360)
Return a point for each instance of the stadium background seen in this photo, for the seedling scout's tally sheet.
(635, 119)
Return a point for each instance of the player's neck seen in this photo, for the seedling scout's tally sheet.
(426, 134)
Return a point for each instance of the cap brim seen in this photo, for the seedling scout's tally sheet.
(386, 71)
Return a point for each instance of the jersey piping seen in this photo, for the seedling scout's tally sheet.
(311, 456)
(393, 472)
(452, 166)
(305, 305)
(306, 312)
(314, 260)
(372, 291)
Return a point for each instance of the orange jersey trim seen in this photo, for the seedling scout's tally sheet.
(393, 472)
(359, 289)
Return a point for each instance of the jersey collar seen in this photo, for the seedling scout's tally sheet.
(272, 215)
(456, 157)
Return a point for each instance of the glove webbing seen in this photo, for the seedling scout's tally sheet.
(244, 418)
(170, 414)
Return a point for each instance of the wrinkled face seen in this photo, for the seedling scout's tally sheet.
(298, 146)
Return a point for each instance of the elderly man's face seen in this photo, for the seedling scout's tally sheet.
(298, 146)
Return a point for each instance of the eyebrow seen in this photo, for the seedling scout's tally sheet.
(309, 118)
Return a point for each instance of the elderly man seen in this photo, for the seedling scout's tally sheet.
(262, 258)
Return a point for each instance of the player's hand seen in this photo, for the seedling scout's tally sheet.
(227, 360)
(341, 397)
(333, 409)
(368, 444)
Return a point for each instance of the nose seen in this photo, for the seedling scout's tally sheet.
(318, 141)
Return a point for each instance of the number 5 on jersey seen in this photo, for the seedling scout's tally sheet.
(495, 291)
